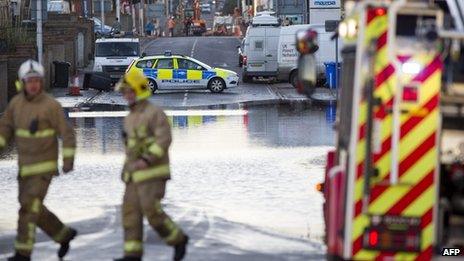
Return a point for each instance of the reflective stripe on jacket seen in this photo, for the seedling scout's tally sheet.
(148, 137)
(36, 124)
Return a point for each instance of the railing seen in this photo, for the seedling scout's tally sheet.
(5, 13)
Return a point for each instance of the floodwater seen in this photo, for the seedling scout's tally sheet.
(242, 185)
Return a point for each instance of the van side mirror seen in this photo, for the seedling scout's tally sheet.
(143, 55)
(331, 25)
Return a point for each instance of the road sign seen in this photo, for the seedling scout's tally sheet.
(324, 4)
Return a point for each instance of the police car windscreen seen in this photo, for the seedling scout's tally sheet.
(117, 49)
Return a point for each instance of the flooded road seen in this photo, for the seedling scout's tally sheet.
(242, 185)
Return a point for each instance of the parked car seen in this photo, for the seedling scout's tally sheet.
(98, 30)
(114, 55)
(60, 7)
(270, 50)
(260, 47)
(174, 72)
(206, 8)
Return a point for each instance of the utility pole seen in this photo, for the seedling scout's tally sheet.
(141, 17)
(102, 6)
(133, 17)
(39, 32)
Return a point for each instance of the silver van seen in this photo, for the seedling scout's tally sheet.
(260, 48)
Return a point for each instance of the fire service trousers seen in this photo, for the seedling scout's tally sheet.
(143, 200)
(32, 213)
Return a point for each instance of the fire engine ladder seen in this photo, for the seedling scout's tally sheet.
(456, 8)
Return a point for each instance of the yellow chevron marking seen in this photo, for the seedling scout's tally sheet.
(362, 113)
(420, 168)
(423, 203)
(360, 151)
(386, 90)
(394, 193)
(415, 137)
(427, 236)
(360, 222)
(422, 60)
(381, 60)
(364, 254)
(430, 88)
(376, 28)
(387, 199)
(384, 168)
(405, 256)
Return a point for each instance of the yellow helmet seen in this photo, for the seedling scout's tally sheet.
(136, 81)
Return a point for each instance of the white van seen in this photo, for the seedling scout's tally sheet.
(114, 55)
(288, 55)
(260, 47)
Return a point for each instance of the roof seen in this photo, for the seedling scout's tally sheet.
(265, 13)
(265, 19)
(113, 40)
(292, 29)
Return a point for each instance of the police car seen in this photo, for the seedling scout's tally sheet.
(168, 72)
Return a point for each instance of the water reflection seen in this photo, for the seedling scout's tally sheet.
(331, 112)
(272, 126)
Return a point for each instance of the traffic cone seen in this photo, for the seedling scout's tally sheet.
(75, 90)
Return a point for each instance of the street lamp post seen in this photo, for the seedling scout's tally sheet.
(118, 10)
(141, 17)
(102, 6)
(39, 33)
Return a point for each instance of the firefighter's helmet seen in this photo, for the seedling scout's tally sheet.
(136, 81)
(30, 68)
(307, 41)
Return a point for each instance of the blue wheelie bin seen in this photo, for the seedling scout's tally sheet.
(330, 74)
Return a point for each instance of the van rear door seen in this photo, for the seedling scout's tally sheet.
(255, 51)
(271, 46)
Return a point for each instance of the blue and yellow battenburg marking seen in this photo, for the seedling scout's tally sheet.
(192, 121)
(182, 74)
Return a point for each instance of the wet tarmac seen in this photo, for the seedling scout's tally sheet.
(242, 184)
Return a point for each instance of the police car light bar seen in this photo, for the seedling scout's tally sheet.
(168, 53)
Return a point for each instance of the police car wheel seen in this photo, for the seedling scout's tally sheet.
(216, 85)
(152, 85)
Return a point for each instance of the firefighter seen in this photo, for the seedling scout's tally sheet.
(147, 135)
(36, 120)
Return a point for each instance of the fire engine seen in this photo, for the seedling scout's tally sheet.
(391, 189)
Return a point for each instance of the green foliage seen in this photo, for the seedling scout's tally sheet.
(12, 36)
